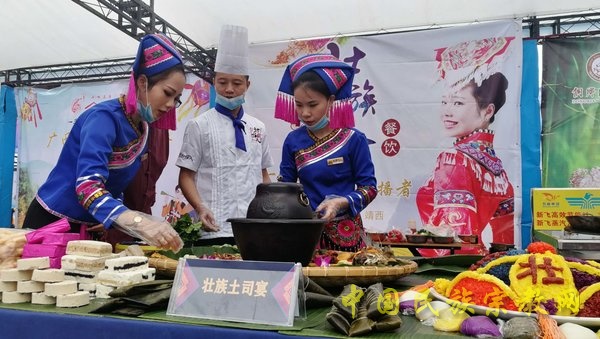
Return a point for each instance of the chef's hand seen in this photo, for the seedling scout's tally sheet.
(330, 208)
(153, 231)
(208, 219)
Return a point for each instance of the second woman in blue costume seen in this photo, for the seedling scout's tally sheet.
(329, 157)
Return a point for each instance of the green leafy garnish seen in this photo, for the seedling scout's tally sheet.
(188, 230)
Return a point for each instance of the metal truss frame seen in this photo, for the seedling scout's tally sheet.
(136, 18)
(569, 25)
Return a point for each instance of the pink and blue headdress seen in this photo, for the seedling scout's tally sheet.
(155, 54)
(337, 75)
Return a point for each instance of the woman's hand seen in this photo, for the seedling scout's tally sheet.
(330, 208)
(152, 231)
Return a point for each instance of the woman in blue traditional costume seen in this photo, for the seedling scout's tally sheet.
(329, 157)
(105, 147)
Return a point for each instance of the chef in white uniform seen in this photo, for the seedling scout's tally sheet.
(225, 152)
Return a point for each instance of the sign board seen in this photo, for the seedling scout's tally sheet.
(552, 205)
(243, 291)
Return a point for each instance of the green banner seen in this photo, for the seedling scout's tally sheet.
(571, 113)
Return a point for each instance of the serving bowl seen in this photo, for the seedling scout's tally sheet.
(498, 247)
(378, 237)
(442, 239)
(469, 238)
(417, 238)
(284, 240)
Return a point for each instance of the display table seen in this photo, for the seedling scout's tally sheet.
(19, 323)
(46, 321)
(23, 321)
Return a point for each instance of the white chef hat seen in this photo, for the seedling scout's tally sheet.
(232, 53)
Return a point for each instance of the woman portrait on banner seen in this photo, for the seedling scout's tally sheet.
(105, 148)
(329, 157)
(469, 188)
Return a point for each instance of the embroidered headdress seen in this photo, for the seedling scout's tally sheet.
(337, 75)
(156, 53)
(471, 60)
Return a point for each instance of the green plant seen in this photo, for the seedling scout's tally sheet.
(188, 230)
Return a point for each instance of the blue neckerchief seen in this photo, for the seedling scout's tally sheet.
(238, 125)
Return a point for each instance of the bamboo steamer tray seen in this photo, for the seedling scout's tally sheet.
(324, 276)
(163, 265)
(359, 275)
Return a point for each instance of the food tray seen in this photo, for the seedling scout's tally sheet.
(506, 314)
(359, 275)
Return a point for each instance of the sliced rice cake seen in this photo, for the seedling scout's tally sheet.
(77, 299)
(91, 248)
(33, 263)
(48, 275)
(126, 264)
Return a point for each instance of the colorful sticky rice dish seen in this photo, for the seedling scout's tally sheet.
(589, 301)
(538, 281)
(543, 282)
(481, 289)
(500, 266)
(584, 273)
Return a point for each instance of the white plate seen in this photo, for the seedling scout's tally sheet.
(482, 310)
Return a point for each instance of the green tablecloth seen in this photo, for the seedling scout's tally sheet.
(314, 324)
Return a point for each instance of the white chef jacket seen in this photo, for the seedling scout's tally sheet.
(226, 177)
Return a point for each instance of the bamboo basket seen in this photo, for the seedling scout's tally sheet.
(359, 275)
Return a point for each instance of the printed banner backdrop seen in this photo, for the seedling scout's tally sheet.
(571, 113)
(397, 99)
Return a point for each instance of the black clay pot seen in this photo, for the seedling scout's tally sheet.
(284, 240)
(280, 200)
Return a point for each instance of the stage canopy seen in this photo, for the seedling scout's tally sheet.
(40, 32)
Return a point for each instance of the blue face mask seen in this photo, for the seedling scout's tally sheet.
(232, 103)
(146, 112)
(320, 124)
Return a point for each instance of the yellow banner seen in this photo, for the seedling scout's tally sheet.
(552, 205)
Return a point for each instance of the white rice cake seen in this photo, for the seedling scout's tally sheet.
(42, 299)
(117, 279)
(127, 264)
(48, 275)
(81, 276)
(14, 274)
(8, 286)
(91, 248)
(83, 262)
(88, 287)
(77, 299)
(103, 291)
(30, 286)
(33, 263)
(15, 297)
(60, 288)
